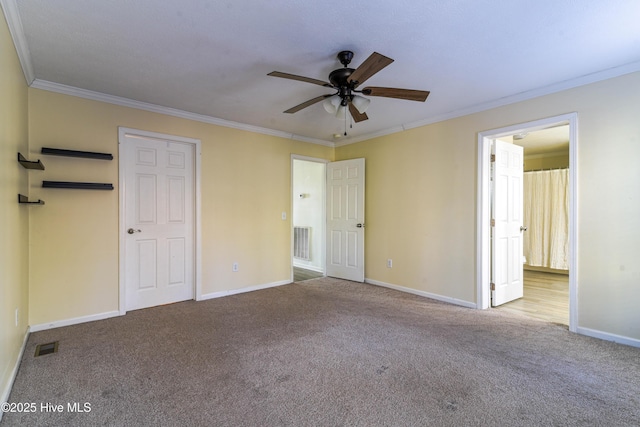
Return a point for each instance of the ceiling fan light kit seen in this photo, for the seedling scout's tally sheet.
(331, 104)
(346, 81)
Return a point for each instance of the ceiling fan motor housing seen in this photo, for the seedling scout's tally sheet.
(340, 78)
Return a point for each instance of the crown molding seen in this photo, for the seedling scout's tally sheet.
(14, 23)
(10, 9)
(520, 97)
(535, 93)
(126, 102)
(523, 96)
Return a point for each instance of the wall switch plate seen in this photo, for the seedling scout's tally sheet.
(389, 263)
(235, 267)
(284, 216)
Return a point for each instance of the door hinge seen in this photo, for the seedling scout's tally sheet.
(493, 222)
(493, 158)
(493, 286)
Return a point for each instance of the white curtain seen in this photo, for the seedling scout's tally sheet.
(546, 214)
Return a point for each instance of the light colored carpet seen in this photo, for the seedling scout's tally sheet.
(332, 353)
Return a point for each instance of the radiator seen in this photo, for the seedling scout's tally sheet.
(301, 242)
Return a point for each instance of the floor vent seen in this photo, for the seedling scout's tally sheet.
(48, 348)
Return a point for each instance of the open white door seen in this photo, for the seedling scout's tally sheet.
(345, 219)
(507, 265)
(159, 221)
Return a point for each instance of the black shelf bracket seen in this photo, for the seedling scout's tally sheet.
(75, 153)
(29, 164)
(77, 185)
(25, 200)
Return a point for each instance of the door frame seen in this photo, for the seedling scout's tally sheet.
(324, 210)
(483, 214)
(123, 132)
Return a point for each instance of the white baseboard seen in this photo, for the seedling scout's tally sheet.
(12, 377)
(309, 267)
(437, 297)
(609, 337)
(74, 321)
(243, 290)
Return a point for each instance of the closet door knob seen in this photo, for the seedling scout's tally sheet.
(523, 228)
(131, 231)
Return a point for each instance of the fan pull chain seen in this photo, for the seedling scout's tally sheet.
(345, 122)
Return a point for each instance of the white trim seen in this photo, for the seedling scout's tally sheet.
(10, 9)
(221, 294)
(14, 371)
(308, 267)
(124, 132)
(19, 40)
(523, 96)
(323, 245)
(609, 337)
(74, 321)
(126, 102)
(520, 97)
(436, 297)
(483, 252)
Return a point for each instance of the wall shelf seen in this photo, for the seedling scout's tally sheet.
(75, 153)
(29, 164)
(25, 200)
(77, 185)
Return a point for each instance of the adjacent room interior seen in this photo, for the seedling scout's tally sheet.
(546, 217)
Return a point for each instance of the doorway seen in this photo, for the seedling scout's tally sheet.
(485, 187)
(308, 217)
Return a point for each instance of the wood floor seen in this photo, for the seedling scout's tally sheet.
(546, 297)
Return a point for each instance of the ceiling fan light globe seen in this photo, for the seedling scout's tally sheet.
(341, 112)
(331, 104)
(361, 103)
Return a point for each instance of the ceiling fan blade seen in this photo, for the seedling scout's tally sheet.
(391, 92)
(307, 104)
(299, 78)
(374, 63)
(357, 115)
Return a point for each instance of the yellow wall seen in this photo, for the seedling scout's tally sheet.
(14, 218)
(421, 201)
(546, 161)
(246, 185)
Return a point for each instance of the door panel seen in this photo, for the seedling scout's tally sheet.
(345, 210)
(507, 266)
(159, 211)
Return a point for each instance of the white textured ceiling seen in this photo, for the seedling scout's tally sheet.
(212, 57)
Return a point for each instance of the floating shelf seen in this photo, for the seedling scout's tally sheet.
(28, 164)
(77, 185)
(25, 200)
(74, 153)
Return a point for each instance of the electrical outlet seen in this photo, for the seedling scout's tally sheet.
(389, 263)
(235, 266)
(17, 316)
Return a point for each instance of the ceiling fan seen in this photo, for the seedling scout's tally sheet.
(345, 81)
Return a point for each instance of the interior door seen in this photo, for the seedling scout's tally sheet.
(159, 222)
(345, 219)
(507, 266)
